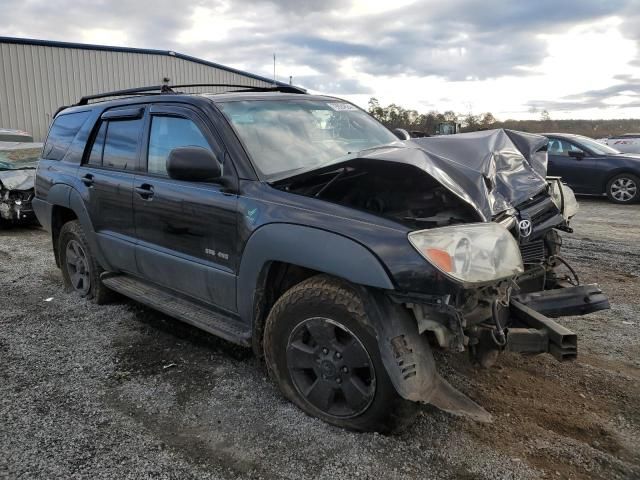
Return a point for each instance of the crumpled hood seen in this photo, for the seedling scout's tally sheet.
(492, 170)
(17, 179)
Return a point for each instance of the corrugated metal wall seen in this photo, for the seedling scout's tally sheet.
(35, 79)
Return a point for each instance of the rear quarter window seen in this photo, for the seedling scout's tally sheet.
(62, 132)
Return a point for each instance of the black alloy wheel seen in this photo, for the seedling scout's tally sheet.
(322, 351)
(330, 367)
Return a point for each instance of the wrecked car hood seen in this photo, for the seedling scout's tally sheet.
(17, 179)
(492, 170)
(18, 161)
(498, 169)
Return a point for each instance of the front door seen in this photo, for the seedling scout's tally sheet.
(186, 231)
(575, 165)
(108, 171)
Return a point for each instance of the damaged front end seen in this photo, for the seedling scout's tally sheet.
(18, 162)
(15, 203)
(479, 209)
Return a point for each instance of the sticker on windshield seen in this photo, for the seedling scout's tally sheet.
(342, 107)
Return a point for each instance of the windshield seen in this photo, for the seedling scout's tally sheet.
(286, 135)
(596, 147)
(16, 155)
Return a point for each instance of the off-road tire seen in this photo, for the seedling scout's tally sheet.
(621, 177)
(97, 292)
(337, 300)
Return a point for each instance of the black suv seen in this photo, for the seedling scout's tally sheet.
(298, 225)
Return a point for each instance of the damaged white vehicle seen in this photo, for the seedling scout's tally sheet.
(18, 162)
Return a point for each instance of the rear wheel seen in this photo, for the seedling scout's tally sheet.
(325, 359)
(80, 271)
(624, 188)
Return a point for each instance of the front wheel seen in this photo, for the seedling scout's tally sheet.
(624, 188)
(325, 359)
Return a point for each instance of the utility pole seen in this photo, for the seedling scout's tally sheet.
(274, 68)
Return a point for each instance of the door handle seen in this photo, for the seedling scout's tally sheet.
(145, 191)
(87, 180)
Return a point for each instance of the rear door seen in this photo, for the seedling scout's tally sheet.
(107, 171)
(186, 231)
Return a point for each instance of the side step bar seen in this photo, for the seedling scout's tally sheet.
(540, 334)
(188, 311)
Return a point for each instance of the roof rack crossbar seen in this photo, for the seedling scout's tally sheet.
(168, 89)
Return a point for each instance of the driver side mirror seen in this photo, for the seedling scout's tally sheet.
(577, 154)
(195, 164)
(401, 133)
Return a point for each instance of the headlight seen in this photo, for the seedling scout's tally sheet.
(471, 253)
(570, 202)
(563, 197)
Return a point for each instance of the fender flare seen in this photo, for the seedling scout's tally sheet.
(409, 362)
(59, 195)
(307, 247)
(63, 195)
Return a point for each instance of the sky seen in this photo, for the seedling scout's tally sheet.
(514, 58)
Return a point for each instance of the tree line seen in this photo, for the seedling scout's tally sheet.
(396, 116)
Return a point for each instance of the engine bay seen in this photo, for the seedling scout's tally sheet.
(401, 193)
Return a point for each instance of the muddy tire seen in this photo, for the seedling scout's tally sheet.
(321, 353)
(624, 188)
(80, 271)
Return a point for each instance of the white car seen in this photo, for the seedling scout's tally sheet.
(626, 143)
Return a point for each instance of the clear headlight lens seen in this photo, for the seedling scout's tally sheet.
(471, 253)
(563, 197)
(555, 192)
(570, 202)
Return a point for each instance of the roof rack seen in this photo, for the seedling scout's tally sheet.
(169, 89)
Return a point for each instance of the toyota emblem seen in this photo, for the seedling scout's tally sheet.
(525, 228)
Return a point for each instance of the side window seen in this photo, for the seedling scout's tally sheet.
(554, 147)
(62, 133)
(168, 133)
(562, 147)
(121, 143)
(570, 147)
(95, 158)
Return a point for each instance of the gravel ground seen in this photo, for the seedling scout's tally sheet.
(121, 391)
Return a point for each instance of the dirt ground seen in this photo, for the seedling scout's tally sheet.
(121, 391)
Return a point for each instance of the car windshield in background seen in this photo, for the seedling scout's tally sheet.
(596, 147)
(17, 156)
(282, 136)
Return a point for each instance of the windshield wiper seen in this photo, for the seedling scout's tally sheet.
(332, 181)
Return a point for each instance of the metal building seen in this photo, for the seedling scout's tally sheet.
(38, 76)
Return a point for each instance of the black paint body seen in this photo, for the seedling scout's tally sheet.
(212, 243)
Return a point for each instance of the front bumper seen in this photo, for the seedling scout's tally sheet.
(522, 327)
(531, 330)
(16, 210)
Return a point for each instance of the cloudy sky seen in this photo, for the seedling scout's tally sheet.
(574, 58)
